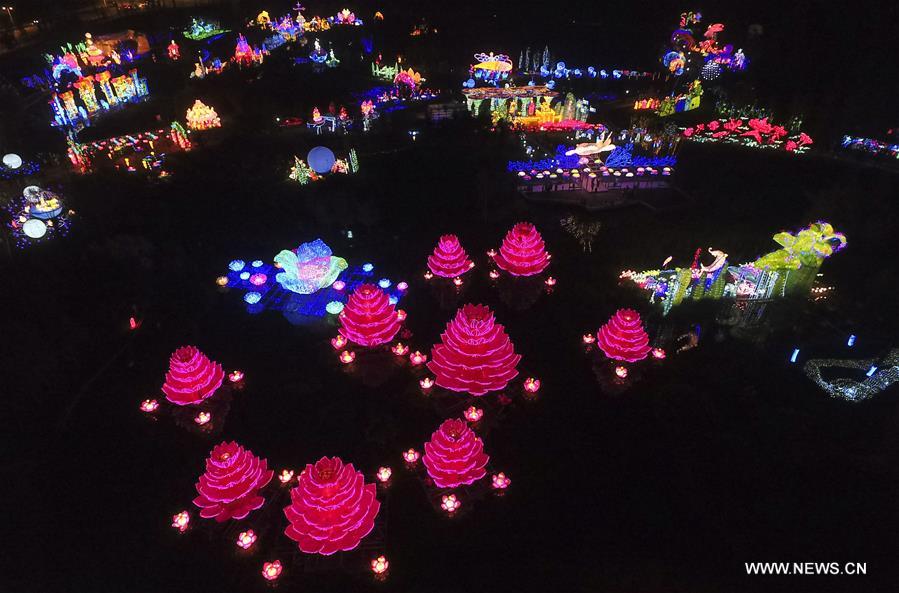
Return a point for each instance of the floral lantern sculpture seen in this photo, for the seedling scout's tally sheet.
(449, 260)
(192, 377)
(229, 489)
(623, 337)
(455, 455)
(331, 509)
(308, 268)
(523, 252)
(476, 355)
(202, 117)
(369, 318)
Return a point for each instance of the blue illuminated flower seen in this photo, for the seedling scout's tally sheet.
(236, 265)
(251, 298)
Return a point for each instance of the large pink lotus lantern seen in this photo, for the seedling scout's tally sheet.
(523, 252)
(475, 355)
(369, 319)
(455, 456)
(192, 377)
(623, 337)
(331, 509)
(449, 259)
(229, 489)
(308, 268)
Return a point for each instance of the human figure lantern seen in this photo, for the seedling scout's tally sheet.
(475, 354)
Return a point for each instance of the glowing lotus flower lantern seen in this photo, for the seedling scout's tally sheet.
(475, 355)
(308, 268)
(229, 489)
(500, 481)
(455, 455)
(181, 521)
(202, 117)
(523, 252)
(192, 377)
(369, 319)
(411, 456)
(332, 508)
(380, 565)
(449, 260)
(246, 539)
(623, 337)
(272, 570)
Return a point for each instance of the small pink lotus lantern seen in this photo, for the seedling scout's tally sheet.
(384, 474)
(272, 570)
(149, 406)
(411, 456)
(450, 503)
(428, 275)
(623, 337)
(338, 342)
(589, 338)
(499, 481)
(658, 353)
(621, 372)
(400, 349)
(246, 539)
(380, 565)
(202, 418)
(338, 285)
(235, 376)
(550, 281)
(417, 358)
(494, 274)
(473, 414)
(285, 476)
(426, 383)
(457, 281)
(181, 521)
(347, 356)
(532, 385)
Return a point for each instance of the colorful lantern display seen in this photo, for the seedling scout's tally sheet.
(202, 117)
(229, 489)
(332, 508)
(369, 318)
(523, 252)
(449, 259)
(475, 354)
(192, 377)
(623, 337)
(455, 455)
(308, 268)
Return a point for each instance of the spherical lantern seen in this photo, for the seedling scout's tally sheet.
(12, 161)
(321, 159)
(34, 228)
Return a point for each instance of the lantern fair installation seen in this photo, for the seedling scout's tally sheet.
(202, 117)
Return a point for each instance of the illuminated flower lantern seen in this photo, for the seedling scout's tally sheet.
(523, 252)
(308, 268)
(229, 489)
(449, 259)
(455, 456)
(331, 509)
(623, 337)
(202, 117)
(475, 355)
(192, 377)
(369, 319)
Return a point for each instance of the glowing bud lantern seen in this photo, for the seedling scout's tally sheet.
(658, 353)
(380, 565)
(428, 275)
(202, 418)
(623, 337)
(523, 252)
(384, 474)
(246, 539)
(449, 260)
(181, 521)
(473, 414)
(532, 385)
(457, 281)
(494, 274)
(368, 318)
(402, 286)
(149, 406)
(285, 476)
(400, 314)
(338, 342)
(272, 570)
(417, 358)
(589, 338)
(332, 508)
(347, 356)
(499, 481)
(411, 456)
(338, 285)
(550, 281)
(450, 503)
(308, 268)
(426, 383)
(455, 455)
(621, 372)
(229, 488)
(400, 349)
(475, 354)
(222, 281)
(235, 376)
(192, 377)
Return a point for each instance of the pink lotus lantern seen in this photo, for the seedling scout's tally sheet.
(181, 521)
(523, 252)
(457, 281)
(192, 377)
(494, 274)
(417, 358)
(402, 286)
(338, 285)
(450, 503)
(475, 354)
(455, 456)
(338, 342)
(149, 406)
(368, 319)
(347, 356)
(449, 260)
(426, 383)
(202, 418)
(285, 476)
(246, 539)
(589, 338)
(491, 253)
(428, 275)
(550, 281)
(499, 481)
(658, 353)
(400, 349)
(229, 489)
(621, 372)
(384, 474)
(473, 414)
(272, 570)
(400, 315)
(532, 385)
(332, 508)
(411, 456)
(380, 565)
(235, 376)
(623, 337)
